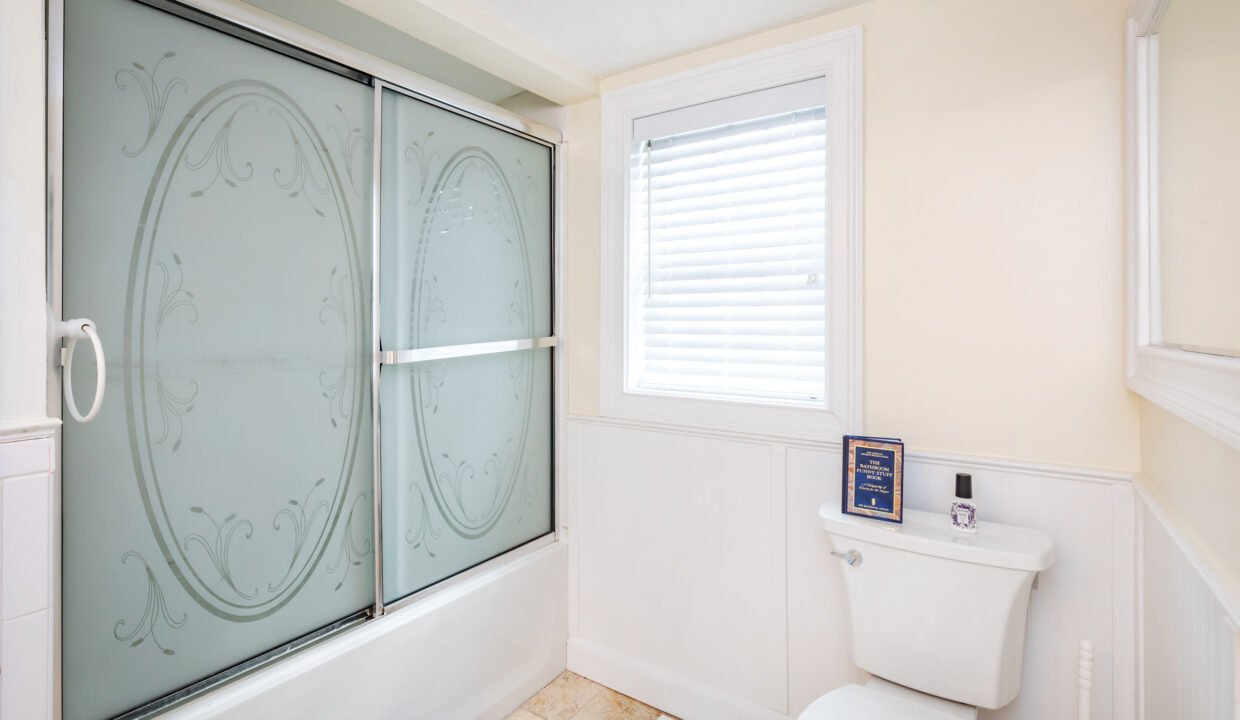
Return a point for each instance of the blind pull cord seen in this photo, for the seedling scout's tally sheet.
(649, 240)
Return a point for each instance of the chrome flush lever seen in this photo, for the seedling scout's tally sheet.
(852, 557)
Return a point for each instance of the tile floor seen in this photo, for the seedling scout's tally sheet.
(573, 697)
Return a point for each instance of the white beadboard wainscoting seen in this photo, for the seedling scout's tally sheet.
(1190, 646)
(27, 574)
(700, 579)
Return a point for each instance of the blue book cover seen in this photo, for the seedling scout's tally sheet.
(873, 478)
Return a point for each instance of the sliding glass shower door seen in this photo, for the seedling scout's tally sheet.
(465, 393)
(219, 192)
(217, 228)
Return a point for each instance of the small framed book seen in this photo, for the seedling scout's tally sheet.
(873, 478)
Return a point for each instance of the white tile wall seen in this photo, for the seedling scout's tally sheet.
(27, 567)
(25, 541)
(26, 660)
(26, 456)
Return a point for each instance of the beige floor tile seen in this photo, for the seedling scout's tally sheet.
(563, 698)
(522, 715)
(610, 705)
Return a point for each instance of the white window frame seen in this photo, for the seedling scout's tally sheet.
(1202, 389)
(836, 58)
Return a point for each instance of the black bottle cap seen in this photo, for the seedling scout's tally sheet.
(964, 486)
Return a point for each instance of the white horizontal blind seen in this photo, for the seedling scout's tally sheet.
(729, 242)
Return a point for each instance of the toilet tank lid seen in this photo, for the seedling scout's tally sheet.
(925, 533)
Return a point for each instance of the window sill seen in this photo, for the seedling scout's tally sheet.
(756, 417)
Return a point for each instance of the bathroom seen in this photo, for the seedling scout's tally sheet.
(683, 256)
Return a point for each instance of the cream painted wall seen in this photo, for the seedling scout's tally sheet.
(536, 108)
(1199, 150)
(583, 249)
(993, 226)
(1198, 479)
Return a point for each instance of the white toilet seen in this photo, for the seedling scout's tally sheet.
(938, 616)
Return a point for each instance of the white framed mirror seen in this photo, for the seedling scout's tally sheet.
(1184, 210)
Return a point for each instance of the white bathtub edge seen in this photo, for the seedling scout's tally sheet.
(535, 579)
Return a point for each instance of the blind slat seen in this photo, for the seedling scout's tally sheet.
(777, 298)
(707, 258)
(736, 185)
(784, 328)
(747, 155)
(717, 271)
(740, 342)
(724, 230)
(738, 241)
(716, 169)
(734, 314)
(799, 198)
(766, 371)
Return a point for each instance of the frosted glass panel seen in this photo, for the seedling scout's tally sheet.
(466, 463)
(466, 230)
(466, 258)
(216, 226)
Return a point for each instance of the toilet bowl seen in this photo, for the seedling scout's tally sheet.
(938, 617)
(878, 699)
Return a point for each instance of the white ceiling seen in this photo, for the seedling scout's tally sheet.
(603, 37)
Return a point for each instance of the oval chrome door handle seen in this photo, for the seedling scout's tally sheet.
(852, 557)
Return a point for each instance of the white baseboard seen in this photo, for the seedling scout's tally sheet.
(679, 696)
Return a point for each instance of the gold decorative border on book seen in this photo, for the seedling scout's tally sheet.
(897, 504)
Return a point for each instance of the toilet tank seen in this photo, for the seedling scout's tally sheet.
(938, 610)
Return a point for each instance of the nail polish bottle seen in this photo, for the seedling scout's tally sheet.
(964, 512)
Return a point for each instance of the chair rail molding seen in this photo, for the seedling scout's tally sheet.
(1202, 389)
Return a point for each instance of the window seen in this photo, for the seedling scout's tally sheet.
(731, 220)
(728, 238)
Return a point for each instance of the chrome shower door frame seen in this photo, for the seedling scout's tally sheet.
(551, 139)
